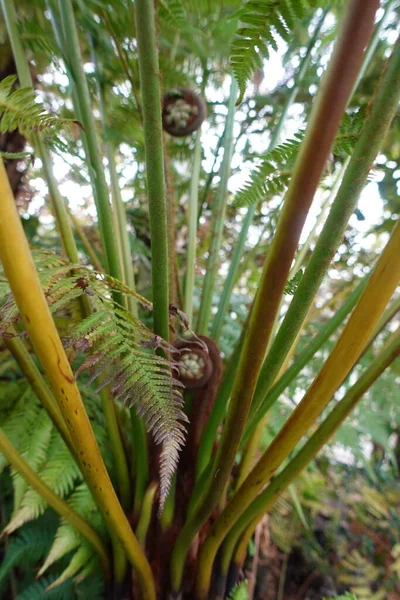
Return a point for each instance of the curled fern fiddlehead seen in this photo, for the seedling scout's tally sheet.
(183, 112)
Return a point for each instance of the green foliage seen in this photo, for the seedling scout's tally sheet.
(272, 175)
(26, 548)
(240, 592)
(346, 596)
(264, 21)
(293, 283)
(121, 347)
(44, 450)
(19, 110)
(173, 13)
(15, 155)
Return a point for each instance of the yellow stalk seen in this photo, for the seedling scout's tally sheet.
(356, 334)
(25, 285)
(56, 503)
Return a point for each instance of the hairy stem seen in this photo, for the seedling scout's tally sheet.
(151, 102)
(192, 230)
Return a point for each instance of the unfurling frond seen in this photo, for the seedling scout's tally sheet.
(122, 352)
(263, 22)
(19, 110)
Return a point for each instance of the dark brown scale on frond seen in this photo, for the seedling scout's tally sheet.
(183, 112)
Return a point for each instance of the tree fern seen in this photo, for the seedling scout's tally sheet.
(123, 347)
(264, 21)
(19, 110)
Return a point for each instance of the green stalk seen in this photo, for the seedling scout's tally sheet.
(218, 218)
(327, 111)
(100, 191)
(306, 355)
(210, 177)
(56, 503)
(326, 430)
(151, 101)
(325, 207)
(145, 515)
(72, 49)
(25, 80)
(115, 442)
(240, 244)
(375, 128)
(140, 459)
(119, 212)
(88, 246)
(192, 231)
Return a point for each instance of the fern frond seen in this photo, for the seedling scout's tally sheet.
(19, 417)
(83, 560)
(27, 548)
(124, 348)
(264, 21)
(272, 175)
(240, 591)
(15, 155)
(293, 283)
(19, 110)
(67, 538)
(269, 177)
(59, 472)
(137, 377)
(173, 13)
